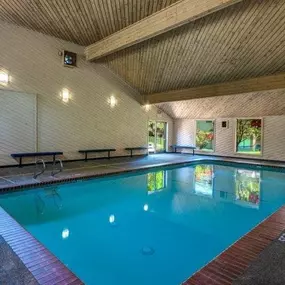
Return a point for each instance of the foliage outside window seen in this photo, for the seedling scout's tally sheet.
(151, 132)
(248, 136)
(204, 180)
(156, 181)
(205, 135)
(248, 187)
(157, 135)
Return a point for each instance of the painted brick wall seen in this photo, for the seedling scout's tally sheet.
(86, 121)
(273, 136)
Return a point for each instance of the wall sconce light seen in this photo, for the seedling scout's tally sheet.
(65, 95)
(4, 78)
(147, 107)
(112, 101)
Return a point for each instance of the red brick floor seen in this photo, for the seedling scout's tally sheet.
(45, 267)
(234, 261)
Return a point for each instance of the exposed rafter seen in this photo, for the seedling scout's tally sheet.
(165, 20)
(264, 83)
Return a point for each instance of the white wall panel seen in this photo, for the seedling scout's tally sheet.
(86, 121)
(17, 123)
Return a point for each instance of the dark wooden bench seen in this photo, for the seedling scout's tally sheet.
(86, 151)
(131, 149)
(175, 147)
(35, 154)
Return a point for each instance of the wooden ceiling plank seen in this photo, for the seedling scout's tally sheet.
(172, 17)
(226, 21)
(246, 48)
(45, 21)
(213, 34)
(236, 46)
(19, 13)
(107, 17)
(53, 15)
(272, 27)
(273, 82)
(79, 21)
(170, 52)
(86, 9)
(97, 16)
(70, 30)
(198, 48)
(212, 73)
(191, 37)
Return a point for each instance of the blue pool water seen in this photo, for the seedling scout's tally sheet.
(147, 228)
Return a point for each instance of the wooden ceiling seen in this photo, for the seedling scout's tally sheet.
(82, 22)
(256, 104)
(242, 41)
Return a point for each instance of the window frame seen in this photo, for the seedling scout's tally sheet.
(167, 131)
(261, 136)
(214, 132)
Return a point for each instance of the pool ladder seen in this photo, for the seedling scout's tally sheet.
(56, 170)
(40, 170)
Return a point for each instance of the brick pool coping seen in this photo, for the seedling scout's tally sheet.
(224, 269)
(44, 266)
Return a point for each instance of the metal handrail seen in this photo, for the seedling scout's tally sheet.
(54, 170)
(36, 174)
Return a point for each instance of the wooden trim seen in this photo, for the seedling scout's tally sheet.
(178, 14)
(258, 84)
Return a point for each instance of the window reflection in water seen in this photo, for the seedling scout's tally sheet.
(247, 186)
(203, 180)
(156, 181)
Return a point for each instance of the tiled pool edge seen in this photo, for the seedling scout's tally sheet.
(233, 262)
(135, 169)
(45, 267)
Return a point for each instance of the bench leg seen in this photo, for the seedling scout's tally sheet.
(108, 154)
(193, 152)
(20, 162)
(85, 156)
(131, 153)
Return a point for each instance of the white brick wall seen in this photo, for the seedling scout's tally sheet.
(87, 121)
(273, 137)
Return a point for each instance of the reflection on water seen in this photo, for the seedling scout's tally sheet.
(49, 194)
(156, 181)
(203, 180)
(247, 186)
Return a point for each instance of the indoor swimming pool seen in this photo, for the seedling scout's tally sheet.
(151, 227)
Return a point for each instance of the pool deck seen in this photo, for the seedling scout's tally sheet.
(12, 178)
(47, 269)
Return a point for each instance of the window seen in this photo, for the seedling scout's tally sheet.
(248, 136)
(157, 133)
(156, 181)
(205, 135)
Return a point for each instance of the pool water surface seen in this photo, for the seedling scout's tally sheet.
(156, 227)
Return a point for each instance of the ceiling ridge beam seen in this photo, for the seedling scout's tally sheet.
(258, 84)
(178, 14)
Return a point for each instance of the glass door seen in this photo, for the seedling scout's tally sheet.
(157, 133)
(160, 137)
